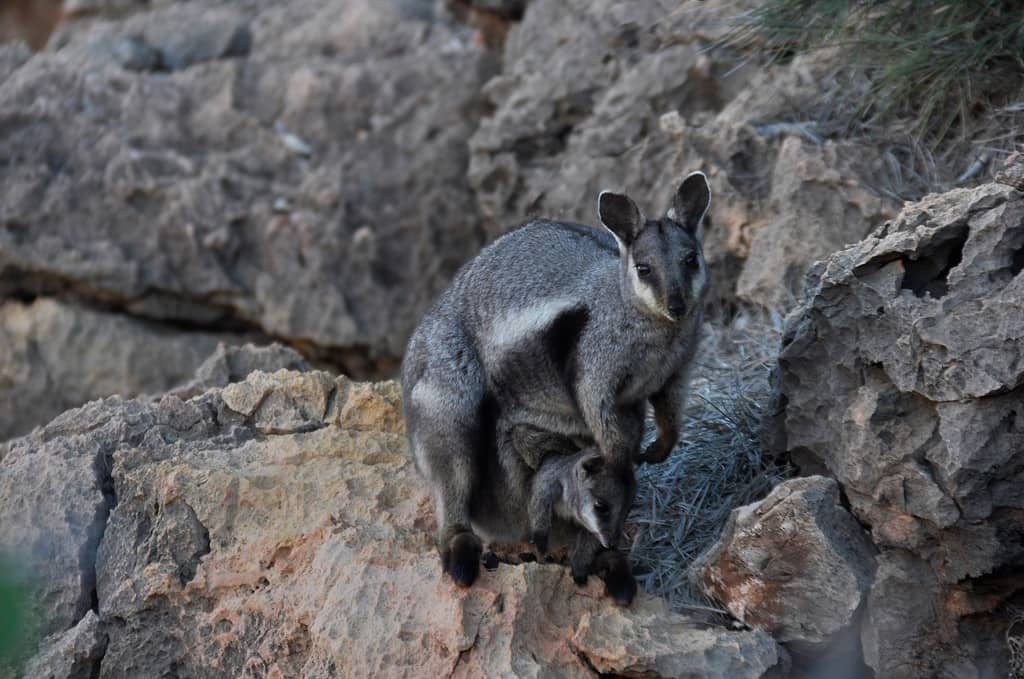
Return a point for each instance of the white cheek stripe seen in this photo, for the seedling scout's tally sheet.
(590, 520)
(644, 293)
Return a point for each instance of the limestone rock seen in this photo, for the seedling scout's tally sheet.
(75, 654)
(312, 188)
(55, 356)
(307, 550)
(795, 564)
(902, 374)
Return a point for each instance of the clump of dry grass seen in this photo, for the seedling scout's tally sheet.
(683, 503)
(939, 84)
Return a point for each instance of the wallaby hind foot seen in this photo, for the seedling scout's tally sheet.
(460, 556)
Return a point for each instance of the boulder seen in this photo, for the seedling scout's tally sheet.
(301, 171)
(71, 655)
(794, 564)
(902, 375)
(55, 356)
(277, 527)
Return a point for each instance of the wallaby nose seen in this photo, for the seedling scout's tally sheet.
(676, 307)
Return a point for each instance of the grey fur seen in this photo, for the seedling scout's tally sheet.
(551, 327)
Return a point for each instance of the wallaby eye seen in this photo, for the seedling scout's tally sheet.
(691, 260)
(643, 271)
(602, 509)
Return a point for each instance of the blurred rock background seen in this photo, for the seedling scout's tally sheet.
(181, 179)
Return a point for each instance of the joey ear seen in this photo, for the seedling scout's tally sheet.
(620, 215)
(691, 202)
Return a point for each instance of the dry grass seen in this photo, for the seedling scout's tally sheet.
(936, 85)
(683, 503)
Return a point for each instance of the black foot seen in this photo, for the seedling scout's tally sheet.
(490, 561)
(540, 541)
(619, 584)
(527, 557)
(461, 559)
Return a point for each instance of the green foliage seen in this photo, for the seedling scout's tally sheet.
(13, 616)
(937, 65)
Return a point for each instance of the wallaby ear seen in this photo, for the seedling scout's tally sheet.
(591, 465)
(691, 202)
(620, 215)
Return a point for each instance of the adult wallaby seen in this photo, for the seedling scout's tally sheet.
(564, 328)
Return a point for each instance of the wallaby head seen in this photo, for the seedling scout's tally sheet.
(600, 495)
(663, 264)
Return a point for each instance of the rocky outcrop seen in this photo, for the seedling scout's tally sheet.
(902, 375)
(56, 356)
(795, 564)
(276, 527)
(298, 168)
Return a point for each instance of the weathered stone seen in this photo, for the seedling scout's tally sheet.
(55, 356)
(54, 506)
(75, 654)
(156, 192)
(310, 553)
(229, 363)
(795, 564)
(817, 210)
(902, 375)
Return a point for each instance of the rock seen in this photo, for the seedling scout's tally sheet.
(230, 363)
(29, 20)
(55, 356)
(902, 374)
(155, 192)
(55, 508)
(75, 654)
(305, 549)
(818, 209)
(795, 564)
(184, 43)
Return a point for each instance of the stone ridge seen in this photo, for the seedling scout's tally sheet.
(276, 526)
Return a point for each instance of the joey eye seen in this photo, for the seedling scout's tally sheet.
(602, 509)
(690, 261)
(643, 271)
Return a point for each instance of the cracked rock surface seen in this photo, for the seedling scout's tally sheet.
(276, 527)
(902, 375)
(795, 564)
(281, 153)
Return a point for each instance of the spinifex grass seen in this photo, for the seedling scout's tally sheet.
(719, 464)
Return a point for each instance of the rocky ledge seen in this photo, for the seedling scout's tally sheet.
(273, 526)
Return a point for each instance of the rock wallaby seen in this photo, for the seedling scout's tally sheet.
(572, 498)
(561, 327)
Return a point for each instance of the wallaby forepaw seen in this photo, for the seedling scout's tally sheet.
(491, 561)
(656, 452)
(619, 583)
(579, 573)
(540, 541)
(461, 558)
(621, 587)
